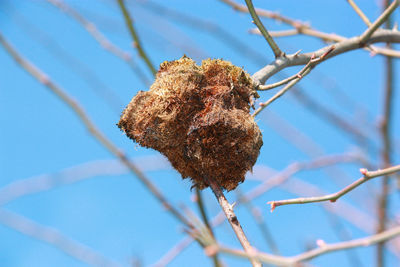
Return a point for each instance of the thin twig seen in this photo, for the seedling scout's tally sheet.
(74, 174)
(359, 12)
(304, 28)
(97, 134)
(323, 248)
(137, 44)
(295, 79)
(104, 42)
(347, 126)
(54, 238)
(282, 82)
(352, 215)
(367, 175)
(200, 204)
(378, 22)
(296, 167)
(282, 91)
(261, 76)
(275, 48)
(328, 38)
(173, 252)
(386, 126)
(278, 179)
(343, 234)
(232, 219)
(268, 14)
(257, 215)
(283, 33)
(208, 27)
(74, 64)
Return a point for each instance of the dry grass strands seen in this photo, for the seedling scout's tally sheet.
(198, 117)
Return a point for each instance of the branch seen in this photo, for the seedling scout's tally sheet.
(91, 127)
(294, 79)
(359, 12)
(378, 22)
(268, 14)
(209, 27)
(74, 174)
(330, 37)
(322, 249)
(232, 219)
(173, 252)
(342, 209)
(257, 215)
(282, 176)
(261, 76)
(277, 51)
(346, 126)
(367, 175)
(200, 204)
(386, 125)
(54, 238)
(135, 37)
(104, 42)
(302, 27)
(282, 91)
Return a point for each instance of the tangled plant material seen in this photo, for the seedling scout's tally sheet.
(199, 118)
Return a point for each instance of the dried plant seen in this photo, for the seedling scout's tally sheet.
(198, 117)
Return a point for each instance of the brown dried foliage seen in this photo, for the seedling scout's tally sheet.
(198, 117)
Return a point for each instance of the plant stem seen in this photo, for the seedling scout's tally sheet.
(275, 48)
(233, 220)
(135, 37)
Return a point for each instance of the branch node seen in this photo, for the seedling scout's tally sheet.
(297, 53)
(211, 250)
(364, 171)
(320, 243)
(273, 205)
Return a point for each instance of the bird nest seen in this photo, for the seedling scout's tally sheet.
(199, 118)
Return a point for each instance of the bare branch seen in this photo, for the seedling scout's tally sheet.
(323, 248)
(174, 252)
(261, 76)
(74, 174)
(378, 22)
(268, 14)
(296, 167)
(208, 27)
(232, 219)
(330, 37)
(294, 79)
(137, 44)
(91, 28)
(54, 238)
(304, 28)
(282, 91)
(359, 12)
(97, 134)
(367, 175)
(386, 126)
(200, 204)
(257, 215)
(277, 51)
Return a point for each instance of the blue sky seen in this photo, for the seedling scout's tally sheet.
(108, 209)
